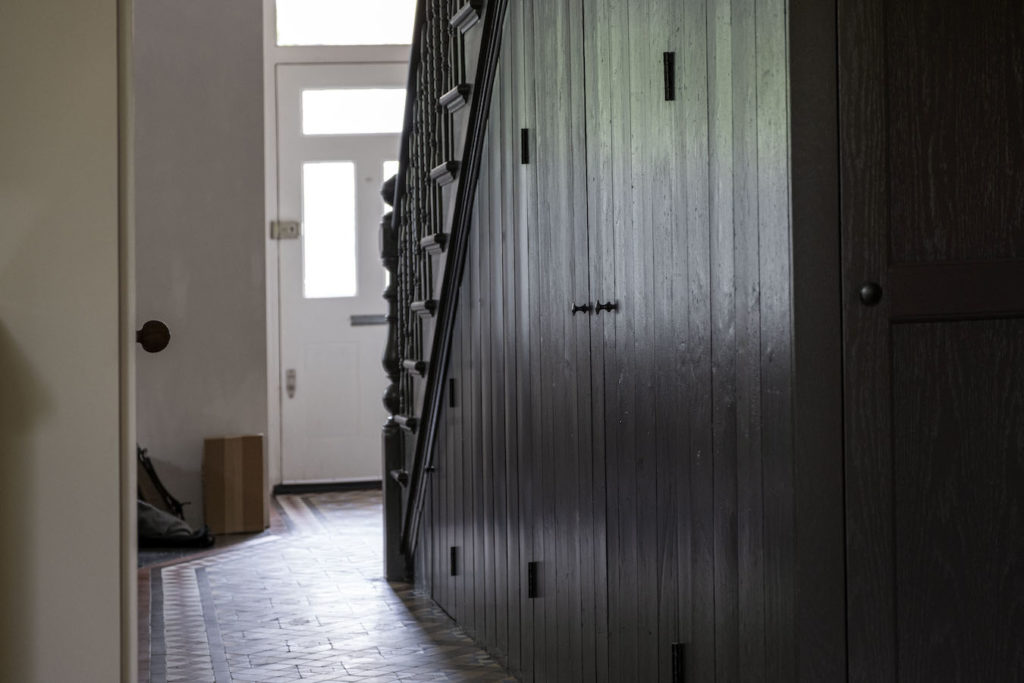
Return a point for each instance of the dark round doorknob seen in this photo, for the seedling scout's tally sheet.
(609, 306)
(585, 308)
(870, 293)
(154, 336)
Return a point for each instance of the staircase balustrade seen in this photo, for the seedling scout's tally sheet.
(423, 242)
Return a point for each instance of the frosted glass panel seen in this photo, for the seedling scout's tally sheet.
(390, 168)
(329, 229)
(345, 22)
(351, 111)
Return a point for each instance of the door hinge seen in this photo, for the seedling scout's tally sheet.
(289, 383)
(532, 582)
(678, 663)
(285, 230)
(669, 63)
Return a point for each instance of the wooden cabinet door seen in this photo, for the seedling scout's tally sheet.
(563, 543)
(932, 164)
(647, 166)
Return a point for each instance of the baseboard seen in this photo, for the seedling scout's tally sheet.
(326, 487)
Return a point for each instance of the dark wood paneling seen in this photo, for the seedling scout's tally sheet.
(464, 454)
(632, 454)
(549, 382)
(530, 385)
(951, 68)
(757, 159)
(483, 299)
(723, 353)
(978, 289)
(866, 365)
(809, 580)
(958, 416)
(918, 116)
(596, 30)
(666, 367)
(775, 560)
(608, 163)
(697, 590)
(511, 187)
(500, 221)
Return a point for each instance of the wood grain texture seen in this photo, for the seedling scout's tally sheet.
(499, 311)
(608, 164)
(905, 462)
(863, 142)
(510, 189)
(530, 376)
(723, 313)
(779, 600)
(951, 68)
(813, 597)
(666, 252)
(958, 470)
(944, 291)
(758, 84)
(697, 576)
(633, 454)
(483, 393)
(596, 29)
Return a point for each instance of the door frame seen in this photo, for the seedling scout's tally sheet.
(126, 352)
(816, 471)
(273, 56)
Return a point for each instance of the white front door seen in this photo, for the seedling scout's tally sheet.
(337, 131)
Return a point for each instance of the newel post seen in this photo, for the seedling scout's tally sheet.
(392, 439)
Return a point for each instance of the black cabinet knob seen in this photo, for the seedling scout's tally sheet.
(609, 306)
(154, 336)
(585, 308)
(870, 293)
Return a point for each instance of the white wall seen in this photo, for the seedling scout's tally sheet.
(60, 592)
(200, 229)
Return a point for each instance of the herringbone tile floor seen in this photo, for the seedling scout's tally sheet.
(303, 602)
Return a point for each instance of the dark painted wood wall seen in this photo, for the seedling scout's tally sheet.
(645, 457)
(932, 150)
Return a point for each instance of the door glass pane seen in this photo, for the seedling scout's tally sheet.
(390, 168)
(329, 229)
(351, 111)
(345, 22)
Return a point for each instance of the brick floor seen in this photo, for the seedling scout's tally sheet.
(303, 602)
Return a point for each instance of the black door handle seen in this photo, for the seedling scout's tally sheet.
(154, 336)
(870, 293)
(585, 308)
(610, 306)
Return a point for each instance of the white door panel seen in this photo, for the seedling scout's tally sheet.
(331, 422)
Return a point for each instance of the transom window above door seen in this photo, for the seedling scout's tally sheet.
(344, 22)
(352, 111)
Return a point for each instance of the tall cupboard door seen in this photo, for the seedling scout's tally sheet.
(647, 167)
(553, 150)
(932, 157)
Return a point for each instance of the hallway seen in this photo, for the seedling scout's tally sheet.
(303, 601)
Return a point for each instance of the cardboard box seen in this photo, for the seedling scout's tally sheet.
(235, 484)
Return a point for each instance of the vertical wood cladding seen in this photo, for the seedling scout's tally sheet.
(641, 456)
